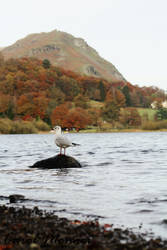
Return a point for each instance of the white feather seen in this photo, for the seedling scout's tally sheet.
(61, 140)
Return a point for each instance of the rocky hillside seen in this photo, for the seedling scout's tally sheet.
(64, 50)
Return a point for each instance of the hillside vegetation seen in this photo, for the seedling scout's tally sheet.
(34, 90)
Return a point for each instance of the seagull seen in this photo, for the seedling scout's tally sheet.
(62, 141)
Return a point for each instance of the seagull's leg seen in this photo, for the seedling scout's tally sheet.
(60, 150)
(64, 151)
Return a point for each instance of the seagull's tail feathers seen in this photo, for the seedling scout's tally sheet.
(75, 144)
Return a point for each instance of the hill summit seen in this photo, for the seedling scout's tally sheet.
(66, 51)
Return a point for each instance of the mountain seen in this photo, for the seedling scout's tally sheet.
(66, 51)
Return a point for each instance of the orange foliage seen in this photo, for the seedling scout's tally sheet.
(117, 96)
(59, 114)
(130, 117)
(32, 105)
(70, 118)
(36, 91)
(4, 102)
(77, 118)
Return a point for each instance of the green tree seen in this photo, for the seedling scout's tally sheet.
(102, 91)
(110, 112)
(162, 114)
(126, 93)
(46, 64)
(11, 112)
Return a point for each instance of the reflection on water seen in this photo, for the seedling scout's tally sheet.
(123, 179)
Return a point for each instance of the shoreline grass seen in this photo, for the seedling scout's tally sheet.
(8, 126)
(109, 131)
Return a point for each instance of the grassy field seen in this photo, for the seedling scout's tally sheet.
(151, 112)
(95, 104)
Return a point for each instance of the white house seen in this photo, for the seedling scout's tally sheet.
(154, 105)
(164, 104)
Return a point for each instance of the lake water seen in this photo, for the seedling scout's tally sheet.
(123, 180)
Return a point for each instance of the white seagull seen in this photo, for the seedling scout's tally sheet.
(61, 140)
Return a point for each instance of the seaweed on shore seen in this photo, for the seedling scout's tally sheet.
(23, 228)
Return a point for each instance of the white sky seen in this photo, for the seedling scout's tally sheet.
(131, 34)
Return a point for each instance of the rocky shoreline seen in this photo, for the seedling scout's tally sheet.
(23, 228)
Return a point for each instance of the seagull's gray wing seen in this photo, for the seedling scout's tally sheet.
(62, 141)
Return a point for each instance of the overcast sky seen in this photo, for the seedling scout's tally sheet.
(131, 34)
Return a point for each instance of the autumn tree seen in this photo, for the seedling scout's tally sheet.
(77, 118)
(110, 112)
(135, 98)
(89, 85)
(69, 87)
(55, 98)
(114, 101)
(10, 84)
(4, 103)
(130, 117)
(116, 96)
(59, 115)
(24, 106)
(30, 87)
(95, 115)
(97, 96)
(1, 59)
(81, 101)
(40, 103)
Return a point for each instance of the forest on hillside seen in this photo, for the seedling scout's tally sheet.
(32, 89)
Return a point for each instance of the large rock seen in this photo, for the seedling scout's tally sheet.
(58, 161)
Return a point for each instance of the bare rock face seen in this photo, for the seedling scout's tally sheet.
(90, 70)
(58, 161)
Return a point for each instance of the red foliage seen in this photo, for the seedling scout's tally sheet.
(59, 114)
(77, 118)
(70, 118)
(32, 90)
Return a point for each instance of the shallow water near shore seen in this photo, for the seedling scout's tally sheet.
(122, 182)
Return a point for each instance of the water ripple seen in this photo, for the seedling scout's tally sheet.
(123, 179)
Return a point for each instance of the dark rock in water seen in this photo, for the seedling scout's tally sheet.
(15, 198)
(58, 161)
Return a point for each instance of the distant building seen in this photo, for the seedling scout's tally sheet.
(164, 104)
(155, 104)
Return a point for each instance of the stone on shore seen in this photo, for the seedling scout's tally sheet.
(58, 161)
(23, 228)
